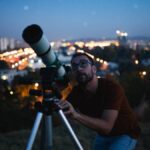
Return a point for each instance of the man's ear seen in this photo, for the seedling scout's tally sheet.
(94, 68)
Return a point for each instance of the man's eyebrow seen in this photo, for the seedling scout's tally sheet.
(80, 61)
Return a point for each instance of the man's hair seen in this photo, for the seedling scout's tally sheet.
(83, 54)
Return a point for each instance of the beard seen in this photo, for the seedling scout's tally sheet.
(83, 79)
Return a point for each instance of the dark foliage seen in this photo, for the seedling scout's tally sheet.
(16, 120)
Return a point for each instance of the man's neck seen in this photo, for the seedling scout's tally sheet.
(92, 85)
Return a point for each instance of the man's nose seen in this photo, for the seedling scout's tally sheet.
(79, 68)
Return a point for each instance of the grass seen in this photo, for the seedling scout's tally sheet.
(17, 140)
(16, 129)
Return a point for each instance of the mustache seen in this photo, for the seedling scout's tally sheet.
(81, 73)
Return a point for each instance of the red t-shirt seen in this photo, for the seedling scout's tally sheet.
(109, 95)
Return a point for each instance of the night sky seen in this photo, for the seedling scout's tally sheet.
(74, 19)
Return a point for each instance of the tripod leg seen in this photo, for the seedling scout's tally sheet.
(73, 136)
(34, 131)
(46, 136)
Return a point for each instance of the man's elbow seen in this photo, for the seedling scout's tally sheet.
(107, 130)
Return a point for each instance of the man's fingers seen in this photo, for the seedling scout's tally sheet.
(63, 105)
(68, 112)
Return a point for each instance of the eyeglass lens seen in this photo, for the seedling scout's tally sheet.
(82, 64)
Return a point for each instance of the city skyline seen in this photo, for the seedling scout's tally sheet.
(75, 19)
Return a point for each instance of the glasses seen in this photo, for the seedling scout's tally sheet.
(82, 64)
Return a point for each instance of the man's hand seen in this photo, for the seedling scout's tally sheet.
(67, 109)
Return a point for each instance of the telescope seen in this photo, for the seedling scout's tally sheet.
(35, 37)
(53, 72)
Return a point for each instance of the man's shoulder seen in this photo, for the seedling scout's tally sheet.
(109, 80)
(109, 83)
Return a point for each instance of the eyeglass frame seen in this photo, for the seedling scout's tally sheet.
(83, 63)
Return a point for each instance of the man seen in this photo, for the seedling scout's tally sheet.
(101, 105)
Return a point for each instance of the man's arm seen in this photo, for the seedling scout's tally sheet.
(103, 125)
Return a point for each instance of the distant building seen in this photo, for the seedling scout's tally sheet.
(122, 38)
(6, 43)
(9, 74)
(3, 44)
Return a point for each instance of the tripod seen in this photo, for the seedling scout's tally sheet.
(44, 111)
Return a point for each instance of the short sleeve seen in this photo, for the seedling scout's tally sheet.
(114, 95)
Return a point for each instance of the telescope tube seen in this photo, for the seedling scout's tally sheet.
(34, 36)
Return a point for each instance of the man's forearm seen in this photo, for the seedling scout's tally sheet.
(99, 125)
(104, 124)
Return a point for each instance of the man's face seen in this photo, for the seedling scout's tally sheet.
(82, 69)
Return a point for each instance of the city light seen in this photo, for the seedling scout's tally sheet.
(11, 92)
(121, 33)
(36, 85)
(143, 74)
(136, 62)
(97, 59)
(4, 77)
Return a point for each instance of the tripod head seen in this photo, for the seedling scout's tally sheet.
(51, 90)
(50, 83)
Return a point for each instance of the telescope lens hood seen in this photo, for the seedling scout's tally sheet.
(32, 34)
